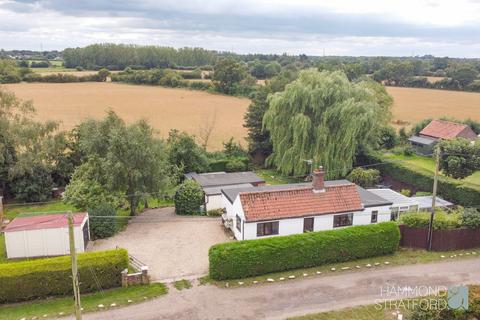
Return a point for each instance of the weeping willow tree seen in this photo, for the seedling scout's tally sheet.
(324, 117)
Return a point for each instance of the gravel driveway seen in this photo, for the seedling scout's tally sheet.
(172, 246)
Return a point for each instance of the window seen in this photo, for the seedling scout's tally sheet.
(413, 208)
(343, 220)
(394, 214)
(403, 209)
(238, 223)
(374, 217)
(267, 228)
(308, 224)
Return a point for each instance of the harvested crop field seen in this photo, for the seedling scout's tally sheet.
(164, 108)
(413, 104)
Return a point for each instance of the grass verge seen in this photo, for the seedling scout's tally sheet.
(182, 284)
(369, 312)
(64, 306)
(402, 257)
(14, 209)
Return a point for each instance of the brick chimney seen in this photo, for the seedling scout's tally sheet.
(318, 183)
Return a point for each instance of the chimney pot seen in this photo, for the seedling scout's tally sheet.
(318, 182)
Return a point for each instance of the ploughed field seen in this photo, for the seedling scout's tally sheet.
(165, 108)
(414, 104)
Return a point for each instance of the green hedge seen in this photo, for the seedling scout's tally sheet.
(448, 188)
(41, 278)
(247, 258)
(421, 220)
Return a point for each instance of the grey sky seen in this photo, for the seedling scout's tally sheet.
(340, 27)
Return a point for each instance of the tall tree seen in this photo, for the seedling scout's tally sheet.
(459, 157)
(133, 161)
(324, 117)
(228, 73)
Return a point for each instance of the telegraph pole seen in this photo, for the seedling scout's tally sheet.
(73, 254)
(434, 199)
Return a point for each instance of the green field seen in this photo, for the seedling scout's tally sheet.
(272, 177)
(15, 209)
(428, 164)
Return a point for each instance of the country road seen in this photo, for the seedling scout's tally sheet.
(295, 297)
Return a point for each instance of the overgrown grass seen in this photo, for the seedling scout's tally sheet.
(428, 164)
(273, 177)
(90, 302)
(402, 257)
(182, 284)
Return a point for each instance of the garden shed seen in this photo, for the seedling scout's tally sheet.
(45, 235)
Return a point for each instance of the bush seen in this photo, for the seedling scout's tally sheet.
(189, 198)
(101, 227)
(422, 179)
(406, 192)
(247, 258)
(421, 220)
(364, 177)
(215, 212)
(471, 218)
(235, 165)
(41, 278)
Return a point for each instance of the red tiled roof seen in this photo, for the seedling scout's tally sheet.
(442, 129)
(269, 205)
(49, 221)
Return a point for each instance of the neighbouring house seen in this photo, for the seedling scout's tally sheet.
(255, 212)
(424, 142)
(212, 184)
(45, 235)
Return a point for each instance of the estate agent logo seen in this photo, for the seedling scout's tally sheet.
(458, 297)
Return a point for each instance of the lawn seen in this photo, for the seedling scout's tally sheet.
(428, 163)
(14, 209)
(53, 307)
(403, 256)
(272, 177)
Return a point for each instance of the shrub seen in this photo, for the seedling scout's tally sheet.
(247, 258)
(100, 226)
(441, 221)
(235, 165)
(215, 212)
(471, 218)
(41, 278)
(422, 193)
(189, 198)
(406, 192)
(364, 177)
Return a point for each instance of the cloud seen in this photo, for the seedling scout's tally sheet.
(347, 26)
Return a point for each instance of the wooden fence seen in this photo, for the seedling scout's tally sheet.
(443, 240)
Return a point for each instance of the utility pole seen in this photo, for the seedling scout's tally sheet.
(73, 254)
(434, 199)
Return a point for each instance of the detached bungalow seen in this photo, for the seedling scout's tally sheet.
(424, 142)
(256, 212)
(212, 184)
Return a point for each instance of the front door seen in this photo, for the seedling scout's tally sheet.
(308, 224)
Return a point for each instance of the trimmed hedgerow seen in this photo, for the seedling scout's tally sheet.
(421, 220)
(41, 278)
(450, 189)
(234, 260)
